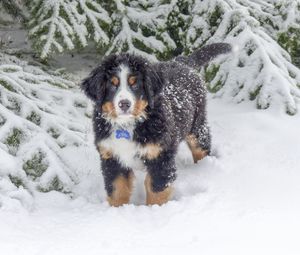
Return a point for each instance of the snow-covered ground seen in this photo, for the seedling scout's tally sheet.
(243, 200)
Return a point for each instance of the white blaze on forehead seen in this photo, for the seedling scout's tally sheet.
(123, 75)
(123, 90)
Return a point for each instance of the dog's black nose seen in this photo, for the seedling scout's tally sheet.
(124, 105)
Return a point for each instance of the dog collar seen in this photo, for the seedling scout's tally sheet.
(122, 133)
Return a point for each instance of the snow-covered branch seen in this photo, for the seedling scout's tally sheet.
(57, 25)
(131, 20)
(39, 119)
(260, 69)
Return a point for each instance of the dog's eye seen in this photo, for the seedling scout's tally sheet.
(115, 81)
(132, 80)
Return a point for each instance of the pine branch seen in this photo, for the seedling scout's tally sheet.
(260, 70)
(59, 25)
(132, 25)
(38, 118)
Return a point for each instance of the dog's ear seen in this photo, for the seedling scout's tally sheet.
(153, 83)
(94, 85)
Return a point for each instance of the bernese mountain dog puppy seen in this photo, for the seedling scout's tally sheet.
(142, 112)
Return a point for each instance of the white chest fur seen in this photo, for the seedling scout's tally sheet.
(125, 150)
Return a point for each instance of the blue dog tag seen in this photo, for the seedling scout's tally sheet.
(121, 133)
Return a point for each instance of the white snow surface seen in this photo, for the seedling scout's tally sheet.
(245, 199)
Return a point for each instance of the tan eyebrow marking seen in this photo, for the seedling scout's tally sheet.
(132, 80)
(115, 80)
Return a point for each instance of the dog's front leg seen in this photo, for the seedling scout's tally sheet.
(118, 181)
(160, 176)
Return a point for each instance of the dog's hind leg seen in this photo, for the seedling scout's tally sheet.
(197, 151)
(199, 139)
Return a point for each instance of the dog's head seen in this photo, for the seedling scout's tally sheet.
(123, 86)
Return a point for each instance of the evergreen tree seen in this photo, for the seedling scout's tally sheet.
(260, 70)
(39, 119)
(140, 27)
(57, 25)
